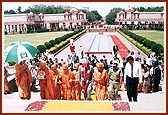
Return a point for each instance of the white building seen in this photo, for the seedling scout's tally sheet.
(14, 23)
(134, 18)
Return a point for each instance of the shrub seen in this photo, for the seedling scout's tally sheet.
(48, 45)
(28, 31)
(138, 45)
(141, 39)
(59, 29)
(65, 29)
(42, 30)
(52, 30)
(146, 42)
(41, 48)
(58, 40)
(151, 43)
(156, 47)
(52, 42)
(161, 50)
(61, 44)
(31, 31)
(144, 27)
(6, 32)
(73, 29)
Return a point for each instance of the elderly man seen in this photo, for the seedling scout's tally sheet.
(45, 75)
(101, 78)
(66, 82)
(115, 79)
(86, 78)
(133, 75)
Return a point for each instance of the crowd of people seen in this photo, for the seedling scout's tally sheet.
(70, 78)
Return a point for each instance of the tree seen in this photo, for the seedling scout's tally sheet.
(96, 14)
(110, 18)
(52, 9)
(12, 12)
(6, 12)
(19, 9)
(150, 9)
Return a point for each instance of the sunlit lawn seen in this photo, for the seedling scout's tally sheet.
(157, 36)
(34, 38)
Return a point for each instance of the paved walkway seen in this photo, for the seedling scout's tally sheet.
(86, 40)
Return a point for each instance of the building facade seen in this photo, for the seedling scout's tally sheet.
(14, 23)
(131, 18)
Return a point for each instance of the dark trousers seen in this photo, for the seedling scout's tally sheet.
(132, 84)
(156, 84)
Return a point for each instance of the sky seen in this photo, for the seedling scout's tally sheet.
(103, 8)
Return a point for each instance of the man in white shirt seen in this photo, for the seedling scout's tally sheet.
(133, 76)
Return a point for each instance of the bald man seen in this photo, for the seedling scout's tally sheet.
(55, 81)
(45, 75)
(101, 78)
(66, 82)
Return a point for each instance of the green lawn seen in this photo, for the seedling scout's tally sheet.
(157, 36)
(34, 38)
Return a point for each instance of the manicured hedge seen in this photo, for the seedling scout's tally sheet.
(156, 47)
(59, 42)
(138, 45)
(52, 42)
(42, 30)
(41, 48)
(64, 43)
(142, 40)
(48, 45)
(161, 50)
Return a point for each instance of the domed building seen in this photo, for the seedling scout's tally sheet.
(131, 18)
(14, 23)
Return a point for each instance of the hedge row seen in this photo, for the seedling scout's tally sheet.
(56, 41)
(64, 43)
(138, 45)
(155, 47)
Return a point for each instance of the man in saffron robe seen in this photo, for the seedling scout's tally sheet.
(102, 79)
(76, 87)
(66, 82)
(46, 86)
(23, 80)
(6, 84)
(55, 81)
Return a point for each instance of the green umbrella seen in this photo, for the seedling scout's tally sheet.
(19, 51)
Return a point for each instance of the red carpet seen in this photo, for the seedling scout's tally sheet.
(123, 50)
